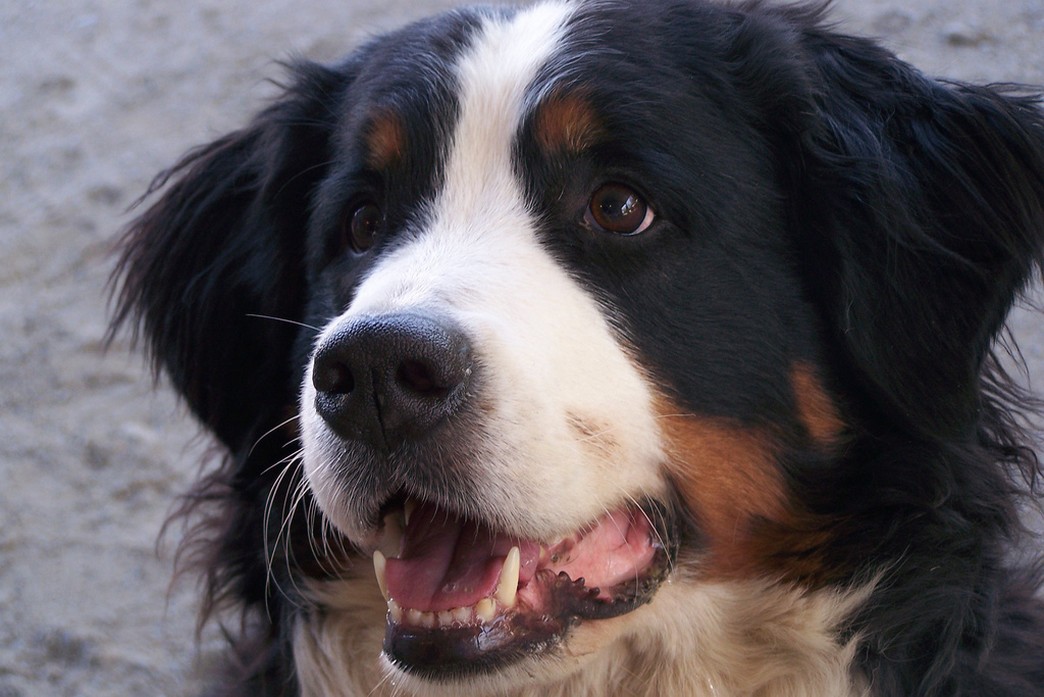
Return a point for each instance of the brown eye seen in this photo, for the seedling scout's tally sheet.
(362, 225)
(618, 209)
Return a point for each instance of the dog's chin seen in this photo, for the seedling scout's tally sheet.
(468, 602)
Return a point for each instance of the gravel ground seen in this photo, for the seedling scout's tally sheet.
(95, 97)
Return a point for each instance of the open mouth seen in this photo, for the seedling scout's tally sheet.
(464, 598)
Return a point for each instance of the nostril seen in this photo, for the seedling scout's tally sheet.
(333, 378)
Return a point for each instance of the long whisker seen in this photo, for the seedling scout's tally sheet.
(285, 320)
(270, 431)
(296, 456)
(266, 525)
(300, 492)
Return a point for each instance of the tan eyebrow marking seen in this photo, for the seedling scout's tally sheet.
(567, 123)
(386, 140)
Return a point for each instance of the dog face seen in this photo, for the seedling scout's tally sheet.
(595, 310)
(501, 362)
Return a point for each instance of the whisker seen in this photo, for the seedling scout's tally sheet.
(295, 456)
(272, 430)
(266, 524)
(301, 491)
(294, 497)
(285, 320)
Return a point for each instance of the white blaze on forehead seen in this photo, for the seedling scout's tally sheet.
(495, 77)
(566, 428)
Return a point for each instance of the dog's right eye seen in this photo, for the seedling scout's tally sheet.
(362, 225)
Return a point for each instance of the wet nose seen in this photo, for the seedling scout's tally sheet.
(386, 379)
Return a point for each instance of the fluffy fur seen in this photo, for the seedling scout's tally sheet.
(784, 375)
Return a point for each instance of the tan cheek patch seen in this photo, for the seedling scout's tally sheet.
(731, 479)
(386, 141)
(567, 123)
(728, 476)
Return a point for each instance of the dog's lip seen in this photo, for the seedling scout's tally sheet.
(522, 597)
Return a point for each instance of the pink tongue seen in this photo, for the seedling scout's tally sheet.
(448, 562)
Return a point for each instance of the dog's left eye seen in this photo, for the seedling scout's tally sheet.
(619, 209)
(361, 226)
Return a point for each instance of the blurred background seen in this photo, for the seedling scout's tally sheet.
(96, 96)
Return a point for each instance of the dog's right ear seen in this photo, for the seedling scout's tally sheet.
(222, 246)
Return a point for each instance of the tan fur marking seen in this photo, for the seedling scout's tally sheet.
(817, 411)
(566, 123)
(386, 140)
(728, 475)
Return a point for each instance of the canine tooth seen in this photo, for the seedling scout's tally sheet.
(391, 539)
(485, 610)
(445, 618)
(407, 510)
(507, 586)
(395, 611)
(379, 563)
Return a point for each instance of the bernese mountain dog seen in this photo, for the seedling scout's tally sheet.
(609, 347)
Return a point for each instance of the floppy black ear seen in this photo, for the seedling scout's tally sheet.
(921, 208)
(223, 243)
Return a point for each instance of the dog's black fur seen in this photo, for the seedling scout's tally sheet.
(915, 213)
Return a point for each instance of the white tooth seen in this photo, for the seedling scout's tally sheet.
(379, 562)
(391, 538)
(507, 587)
(463, 615)
(419, 618)
(485, 610)
(445, 618)
(395, 611)
(407, 510)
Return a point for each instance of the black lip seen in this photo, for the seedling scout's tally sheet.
(441, 654)
(455, 652)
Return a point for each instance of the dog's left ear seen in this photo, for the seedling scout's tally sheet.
(918, 207)
(210, 269)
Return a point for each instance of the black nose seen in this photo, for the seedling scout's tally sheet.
(389, 378)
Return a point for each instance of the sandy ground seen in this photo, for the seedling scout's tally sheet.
(95, 97)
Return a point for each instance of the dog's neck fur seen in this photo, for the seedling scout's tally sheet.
(718, 641)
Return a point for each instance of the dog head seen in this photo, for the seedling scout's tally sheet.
(586, 298)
